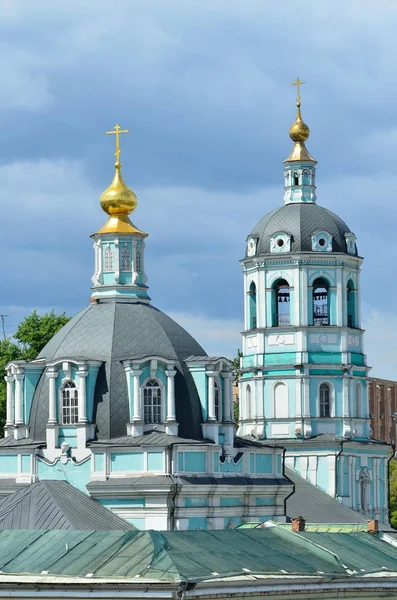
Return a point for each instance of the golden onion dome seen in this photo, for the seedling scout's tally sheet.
(118, 199)
(299, 131)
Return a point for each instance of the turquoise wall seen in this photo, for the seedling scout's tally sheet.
(67, 434)
(322, 472)
(9, 463)
(126, 461)
(155, 461)
(99, 462)
(77, 474)
(197, 523)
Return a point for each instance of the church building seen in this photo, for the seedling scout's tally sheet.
(124, 404)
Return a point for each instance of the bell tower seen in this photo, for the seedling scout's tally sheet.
(303, 370)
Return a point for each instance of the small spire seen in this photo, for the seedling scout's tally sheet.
(299, 132)
(118, 199)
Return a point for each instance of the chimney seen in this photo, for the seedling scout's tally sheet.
(373, 526)
(298, 524)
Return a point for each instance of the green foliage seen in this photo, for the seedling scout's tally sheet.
(35, 331)
(393, 492)
(236, 365)
(32, 335)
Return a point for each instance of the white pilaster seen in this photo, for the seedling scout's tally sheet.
(332, 475)
(339, 298)
(116, 264)
(211, 396)
(82, 396)
(19, 377)
(52, 374)
(136, 373)
(227, 397)
(171, 395)
(10, 392)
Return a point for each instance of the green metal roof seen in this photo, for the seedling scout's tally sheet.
(193, 556)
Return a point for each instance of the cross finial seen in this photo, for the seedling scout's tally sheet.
(298, 83)
(117, 131)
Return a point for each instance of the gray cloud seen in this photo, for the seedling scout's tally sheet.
(204, 89)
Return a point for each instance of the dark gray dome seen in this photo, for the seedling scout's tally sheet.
(301, 221)
(112, 332)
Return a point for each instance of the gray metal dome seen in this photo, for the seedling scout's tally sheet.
(112, 332)
(301, 221)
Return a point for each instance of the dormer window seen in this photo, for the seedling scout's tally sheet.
(70, 404)
(280, 242)
(350, 242)
(251, 246)
(152, 402)
(322, 242)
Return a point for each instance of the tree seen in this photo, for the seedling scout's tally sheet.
(236, 365)
(33, 333)
(393, 492)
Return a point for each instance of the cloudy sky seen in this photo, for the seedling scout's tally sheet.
(204, 88)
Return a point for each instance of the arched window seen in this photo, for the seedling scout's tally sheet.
(359, 407)
(125, 259)
(320, 302)
(280, 393)
(70, 403)
(364, 480)
(296, 178)
(325, 400)
(252, 306)
(351, 305)
(138, 259)
(305, 178)
(282, 306)
(152, 405)
(248, 408)
(108, 259)
(217, 393)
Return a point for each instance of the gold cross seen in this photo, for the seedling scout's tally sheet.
(117, 131)
(298, 83)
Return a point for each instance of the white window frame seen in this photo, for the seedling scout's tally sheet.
(108, 251)
(61, 404)
(331, 399)
(125, 267)
(162, 391)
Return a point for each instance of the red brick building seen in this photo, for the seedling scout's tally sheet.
(382, 405)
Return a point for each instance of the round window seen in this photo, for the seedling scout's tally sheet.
(321, 242)
(280, 243)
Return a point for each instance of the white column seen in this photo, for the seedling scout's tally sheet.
(52, 402)
(10, 381)
(211, 396)
(18, 398)
(171, 395)
(136, 373)
(227, 397)
(82, 404)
